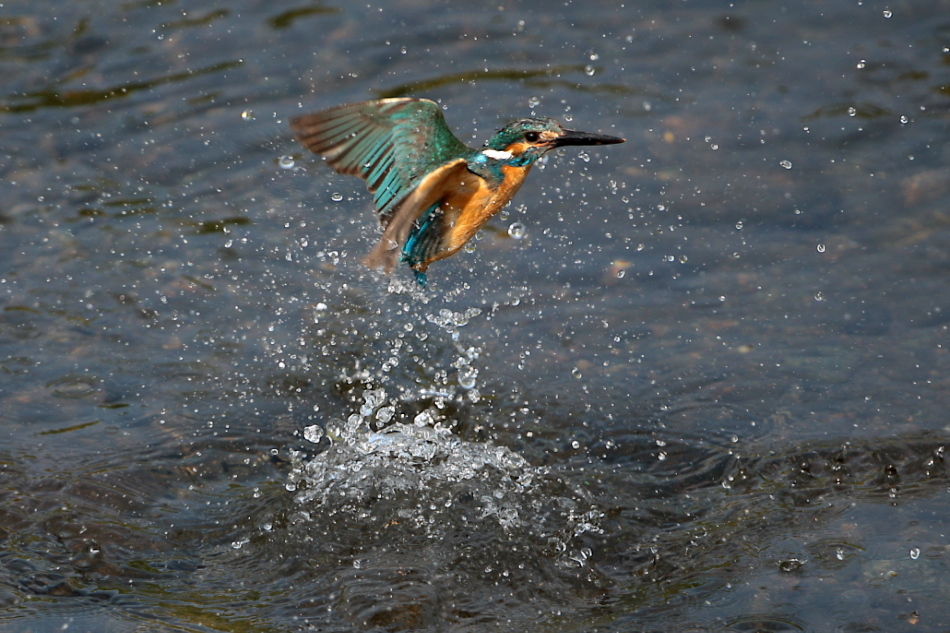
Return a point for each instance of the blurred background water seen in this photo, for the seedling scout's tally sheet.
(696, 382)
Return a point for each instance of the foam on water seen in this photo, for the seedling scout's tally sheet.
(427, 477)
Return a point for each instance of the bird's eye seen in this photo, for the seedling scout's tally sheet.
(531, 137)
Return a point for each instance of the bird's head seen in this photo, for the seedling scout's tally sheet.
(529, 139)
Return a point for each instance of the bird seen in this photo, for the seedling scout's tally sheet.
(431, 191)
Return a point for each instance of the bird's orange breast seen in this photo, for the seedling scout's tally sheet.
(471, 203)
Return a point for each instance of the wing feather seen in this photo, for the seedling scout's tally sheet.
(424, 197)
(391, 143)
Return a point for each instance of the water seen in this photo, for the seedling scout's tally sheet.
(704, 390)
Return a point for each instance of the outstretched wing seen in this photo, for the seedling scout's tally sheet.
(391, 143)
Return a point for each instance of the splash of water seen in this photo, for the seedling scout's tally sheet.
(431, 482)
(385, 467)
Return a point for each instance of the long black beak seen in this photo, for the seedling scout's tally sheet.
(573, 137)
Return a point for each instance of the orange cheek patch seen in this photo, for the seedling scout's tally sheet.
(517, 149)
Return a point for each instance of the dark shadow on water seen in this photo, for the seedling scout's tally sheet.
(545, 78)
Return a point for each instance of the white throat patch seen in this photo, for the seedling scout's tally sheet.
(496, 155)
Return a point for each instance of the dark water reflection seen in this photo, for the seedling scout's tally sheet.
(706, 391)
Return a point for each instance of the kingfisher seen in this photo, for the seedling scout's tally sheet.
(431, 191)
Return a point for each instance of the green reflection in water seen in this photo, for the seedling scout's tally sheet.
(68, 429)
(55, 98)
(540, 78)
(287, 18)
(218, 226)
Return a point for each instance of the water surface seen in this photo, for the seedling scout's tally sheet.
(701, 385)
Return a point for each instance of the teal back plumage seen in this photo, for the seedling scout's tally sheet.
(391, 143)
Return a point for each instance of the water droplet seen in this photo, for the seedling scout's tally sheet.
(915, 553)
(336, 197)
(589, 70)
(286, 162)
(791, 564)
(821, 248)
(584, 156)
(739, 226)
(905, 119)
(534, 102)
(861, 64)
(787, 164)
(887, 13)
(516, 230)
(819, 296)
(576, 372)
(852, 111)
(313, 433)
(248, 115)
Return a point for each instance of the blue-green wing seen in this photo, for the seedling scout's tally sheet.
(390, 143)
